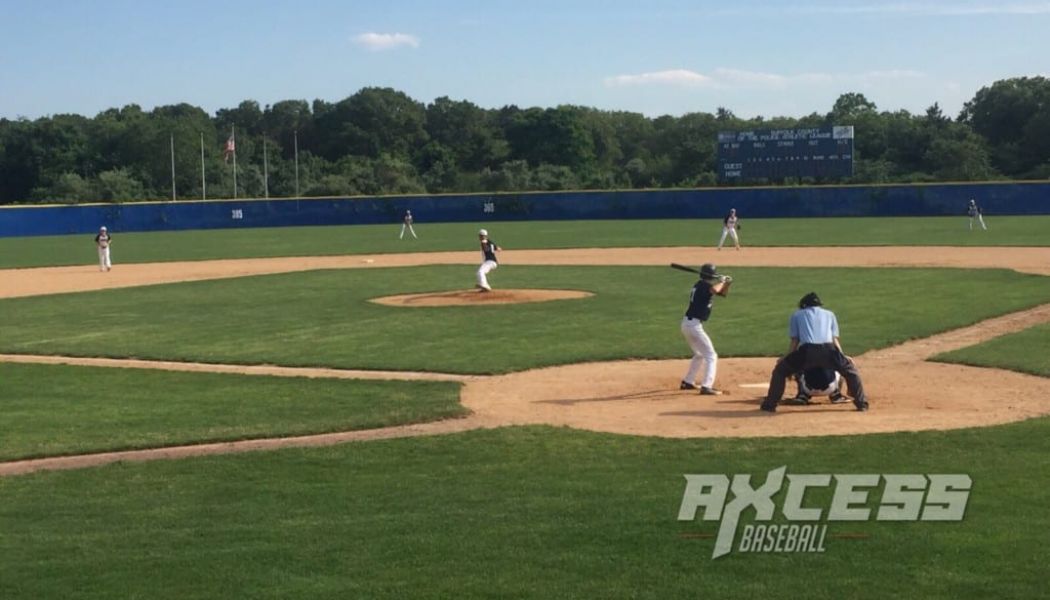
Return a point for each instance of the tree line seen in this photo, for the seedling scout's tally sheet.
(381, 141)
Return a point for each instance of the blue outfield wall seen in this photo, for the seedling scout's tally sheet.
(823, 201)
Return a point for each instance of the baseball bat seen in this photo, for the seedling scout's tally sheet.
(684, 268)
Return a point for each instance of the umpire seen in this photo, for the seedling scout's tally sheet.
(814, 343)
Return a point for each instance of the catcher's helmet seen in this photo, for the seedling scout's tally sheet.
(810, 299)
(708, 271)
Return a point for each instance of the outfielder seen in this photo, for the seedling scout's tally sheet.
(975, 213)
(488, 260)
(704, 356)
(730, 225)
(406, 222)
(102, 242)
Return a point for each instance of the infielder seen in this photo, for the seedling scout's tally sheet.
(704, 356)
(975, 213)
(406, 222)
(814, 335)
(730, 225)
(488, 260)
(102, 242)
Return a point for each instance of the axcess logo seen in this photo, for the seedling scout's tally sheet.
(905, 497)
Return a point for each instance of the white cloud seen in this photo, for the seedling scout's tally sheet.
(376, 42)
(720, 78)
(682, 77)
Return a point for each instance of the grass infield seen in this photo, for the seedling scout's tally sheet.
(1024, 351)
(367, 239)
(323, 318)
(52, 410)
(523, 512)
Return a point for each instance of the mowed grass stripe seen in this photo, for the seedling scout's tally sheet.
(522, 512)
(324, 318)
(51, 410)
(369, 239)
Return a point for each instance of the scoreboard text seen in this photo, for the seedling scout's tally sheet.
(824, 153)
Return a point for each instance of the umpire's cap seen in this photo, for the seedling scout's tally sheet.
(810, 299)
(708, 271)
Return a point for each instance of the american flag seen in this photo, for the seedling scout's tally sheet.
(231, 147)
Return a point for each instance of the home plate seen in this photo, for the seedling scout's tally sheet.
(754, 385)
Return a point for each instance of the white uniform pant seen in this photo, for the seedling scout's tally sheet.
(483, 271)
(103, 259)
(704, 355)
(730, 231)
(980, 219)
(410, 230)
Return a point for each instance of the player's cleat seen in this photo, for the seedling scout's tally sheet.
(706, 391)
(861, 406)
(685, 385)
(838, 398)
(767, 406)
(799, 400)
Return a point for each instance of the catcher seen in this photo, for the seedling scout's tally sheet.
(701, 298)
(818, 382)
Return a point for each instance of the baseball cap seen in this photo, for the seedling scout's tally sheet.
(483, 232)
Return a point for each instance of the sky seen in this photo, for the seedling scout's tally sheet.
(754, 57)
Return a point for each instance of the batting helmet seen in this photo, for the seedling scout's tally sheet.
(708, 271)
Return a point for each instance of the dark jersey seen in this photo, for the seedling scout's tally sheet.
(488, 250)
(700, 300)
(103, 239)
(973, 210)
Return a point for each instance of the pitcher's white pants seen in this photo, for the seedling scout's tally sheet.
(410, 230)
(103, 259)
(483, 271)
(730, 231)
(704, 354)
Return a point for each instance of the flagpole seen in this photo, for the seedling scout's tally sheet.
(172, 139)
(233, 135)
(266, 172)
(296, 163)
(204, 182)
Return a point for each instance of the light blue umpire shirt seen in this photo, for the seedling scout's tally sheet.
(813, 325)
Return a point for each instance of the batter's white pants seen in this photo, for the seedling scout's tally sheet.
(483, 271)
(730, 231)
(980, 219)
(103, 259)
(704, 354)
(410, 230)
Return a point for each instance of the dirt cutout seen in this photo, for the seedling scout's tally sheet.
(474, 297)
(906, 392)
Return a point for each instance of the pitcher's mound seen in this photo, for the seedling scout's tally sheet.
(472, 297)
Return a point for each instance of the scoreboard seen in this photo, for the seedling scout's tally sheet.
(824, 153)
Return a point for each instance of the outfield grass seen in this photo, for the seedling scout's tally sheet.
(324, 318)
(52, 410)
(316, 241)
(524, 512)
(1026, 351)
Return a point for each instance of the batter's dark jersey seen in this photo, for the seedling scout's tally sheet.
(700, 301)
(488, 249)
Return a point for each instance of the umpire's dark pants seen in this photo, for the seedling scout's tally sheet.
(808, 356)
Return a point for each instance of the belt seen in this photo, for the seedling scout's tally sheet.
(694, 319)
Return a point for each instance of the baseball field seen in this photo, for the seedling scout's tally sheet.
(330, 412)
